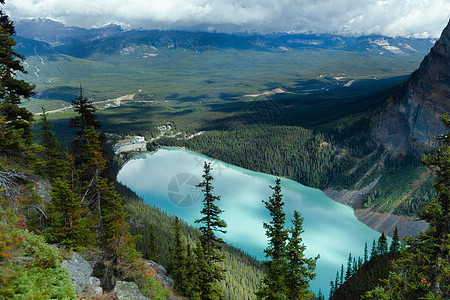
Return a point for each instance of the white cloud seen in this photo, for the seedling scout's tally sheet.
(421, 18)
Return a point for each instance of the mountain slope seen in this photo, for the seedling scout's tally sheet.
(406, 130)
(413, 123)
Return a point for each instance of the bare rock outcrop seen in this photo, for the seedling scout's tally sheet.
(86, 286)
(414, 121)
(160, 274)
(128, 291)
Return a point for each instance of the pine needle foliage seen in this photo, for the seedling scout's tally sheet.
(50, 165)
(208, 253)
(288, 270)
(300, 268)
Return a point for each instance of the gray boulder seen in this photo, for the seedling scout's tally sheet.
(128, 291)
(86, 286)
(160, 274)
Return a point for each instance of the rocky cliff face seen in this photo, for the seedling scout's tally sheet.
(414, 121)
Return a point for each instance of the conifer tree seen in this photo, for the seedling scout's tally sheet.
(382, 247)
(68, 222)
(273, 284)
(349, 272)
(395, 244)
(115, 238)
(152, 247)
(105, 206)
(365, 253)
(374, 251)
(337, 281)
(86, 116)
(191, 274)
(332, 289)
(17, 120)
(11, 141)
(211, 244)
(84, 119)
(177, 267)
(300, 270)
(360, 262)
(51, 164)
(203, 287)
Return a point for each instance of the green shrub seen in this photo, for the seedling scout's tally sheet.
(29, 268)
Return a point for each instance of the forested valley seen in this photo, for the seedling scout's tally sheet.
(55, 202)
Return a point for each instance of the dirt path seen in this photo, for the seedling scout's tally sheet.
(271, 92)
(116, 101)
(37, 71)
(349, 83)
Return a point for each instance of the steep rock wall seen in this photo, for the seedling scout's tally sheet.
(414, 122)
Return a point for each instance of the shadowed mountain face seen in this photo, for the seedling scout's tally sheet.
(414, 122)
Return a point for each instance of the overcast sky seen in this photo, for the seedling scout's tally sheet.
(418, 18)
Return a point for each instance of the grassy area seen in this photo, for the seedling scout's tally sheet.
(186, 74)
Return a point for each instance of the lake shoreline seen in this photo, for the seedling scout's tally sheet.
(381, 222)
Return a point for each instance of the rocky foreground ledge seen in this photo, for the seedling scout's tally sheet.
(88, 287)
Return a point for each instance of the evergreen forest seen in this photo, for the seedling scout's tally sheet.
(58, 197)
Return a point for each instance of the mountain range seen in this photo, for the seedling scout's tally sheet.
(81, 42)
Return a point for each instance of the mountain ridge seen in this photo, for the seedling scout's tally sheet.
(414, 121)
(64, 38)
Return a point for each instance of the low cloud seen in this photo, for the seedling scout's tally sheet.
(418, 18)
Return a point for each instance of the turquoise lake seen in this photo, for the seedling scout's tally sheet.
(167, 179)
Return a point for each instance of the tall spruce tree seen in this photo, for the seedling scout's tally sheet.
(69, 225)
(349, 271)
(17, 120)
(423, 269)
(300, 269)
(273, 285)
(382, 245)
(177, 260)
(395, 244)
(191, 274)
(365, 258)
(51, 164)
(115, 238)
(211, 244)
(84, 119)
(86, 116)
(70, 222)
(374, 250)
